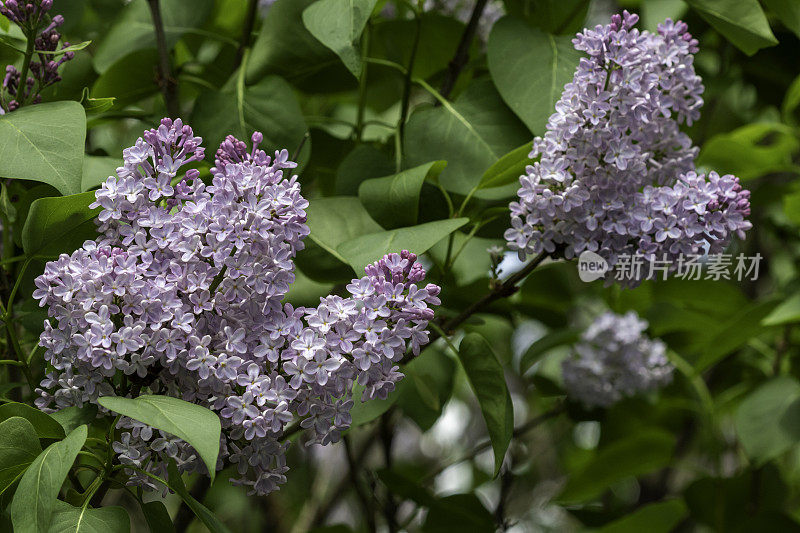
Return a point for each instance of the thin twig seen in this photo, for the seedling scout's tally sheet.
(461, 56)
(167, 82)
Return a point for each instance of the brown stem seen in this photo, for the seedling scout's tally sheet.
(462, 52)
(168, 84)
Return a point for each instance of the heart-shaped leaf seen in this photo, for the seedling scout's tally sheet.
(393, 201)
(59, 225)
(44, 143)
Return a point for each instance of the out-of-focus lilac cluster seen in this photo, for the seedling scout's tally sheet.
(182, 295)
(615, 359)
(36, 24)
(615, 175)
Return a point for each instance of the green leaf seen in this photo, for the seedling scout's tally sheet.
(35, 497)
(336, 220)
(195, 424)
(362, 251)
(97, 169)
(768, 420)
(362, 163)
(661, 517)
(44, 143)
(133, 30)
(545, 344)
(73, 48)
(365, 412)
(393, 201)
(46, 426)
(69, 519)
(485, 375)
(507, 169)
(635, 455)
(552, 16)
(269, 107)
(427, 386)
(731, 334)
(742, 22)
(787, 11)
(19, 447)
(338, 25)
(129, 79)
(471, 134)
(201, 511)
(787, 312)
(157, 517)
(751, 151)
(95, 105)
(74, 416)
(439, 36)
(791, 207)
(530, 68)
(59, 225)
(285, 47)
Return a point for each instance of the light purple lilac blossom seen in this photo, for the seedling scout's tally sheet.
(33, 19)
(615, 175)
(181, 296)
(615, 359)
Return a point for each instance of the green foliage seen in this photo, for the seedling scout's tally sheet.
(34, 501)
(742, 21)
(768, 420)
(485, 375)
(192, 423)
(46, 426)
(393, 201)
(531, 81)
(338, 25)
(44, 143)
(69, 519)
(19, 447)
(471, 134)
(60, 224)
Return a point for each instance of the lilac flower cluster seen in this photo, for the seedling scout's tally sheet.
(182, 295)
(30, 17)
(615, 175)
(615, 359)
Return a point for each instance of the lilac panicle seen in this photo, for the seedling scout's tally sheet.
(32, 17)
(615, 359)
(615, 175)
(182, 295)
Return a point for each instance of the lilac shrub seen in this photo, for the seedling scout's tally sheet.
(615, 359)
(182, 294)
(615, 174)
(33, 19)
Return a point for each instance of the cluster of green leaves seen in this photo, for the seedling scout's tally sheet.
(390, 161)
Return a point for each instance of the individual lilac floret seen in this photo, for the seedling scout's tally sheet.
(615, 175)
(615, 359)
(181, 295)
(36, 24)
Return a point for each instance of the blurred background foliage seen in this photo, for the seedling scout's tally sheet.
(390, 144)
